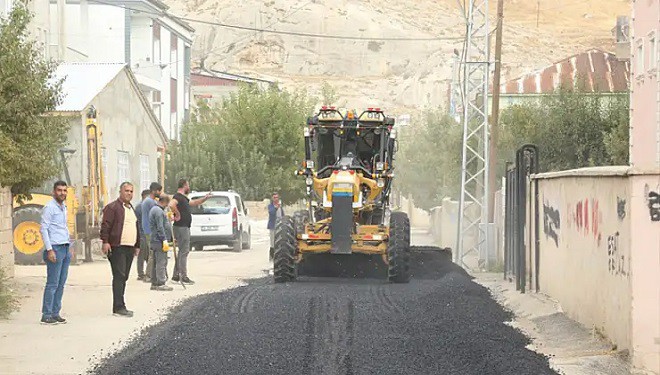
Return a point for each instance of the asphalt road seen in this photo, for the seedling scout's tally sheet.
(439, 323)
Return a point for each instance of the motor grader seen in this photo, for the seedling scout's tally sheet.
(348, 171)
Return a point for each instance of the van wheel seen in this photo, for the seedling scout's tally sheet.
(247, 240)
(199, 247)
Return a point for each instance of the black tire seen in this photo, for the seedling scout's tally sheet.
(25, 215)
(398, 248)
(199, 247)
(284, 262)
(247, 244)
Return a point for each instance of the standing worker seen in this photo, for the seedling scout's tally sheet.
(161, 233)
(121, 242)
(275, 212)
(180, 205)
(57, 241)
(154, 192)
(144, 254)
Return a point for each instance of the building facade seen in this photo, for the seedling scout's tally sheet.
(131, 136)
(143, 35)
(645, 87)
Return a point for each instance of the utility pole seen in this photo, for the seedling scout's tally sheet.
(538, 12)
(495, 117)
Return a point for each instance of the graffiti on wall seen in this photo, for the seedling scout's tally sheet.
(653, 199)
(551, 223)
(616, 261)
(621, 208)
(587, 218)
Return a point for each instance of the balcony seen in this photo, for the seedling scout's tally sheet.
(148, 74)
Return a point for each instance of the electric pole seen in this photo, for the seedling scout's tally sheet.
(494, 124)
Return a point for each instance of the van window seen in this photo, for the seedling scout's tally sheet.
(239, 204)
(216, 205)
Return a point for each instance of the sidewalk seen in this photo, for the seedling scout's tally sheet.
(91, 332)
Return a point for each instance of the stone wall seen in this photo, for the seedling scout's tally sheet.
(6, 243)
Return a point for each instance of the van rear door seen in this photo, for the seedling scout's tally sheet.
(212, 218)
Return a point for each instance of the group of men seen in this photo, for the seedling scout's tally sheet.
(126, 232)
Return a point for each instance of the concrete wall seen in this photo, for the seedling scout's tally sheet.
(418, 217)
(6, 241)
(644, 203)
(599, 253)
(585, 244)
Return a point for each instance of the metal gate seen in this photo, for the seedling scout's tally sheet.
(517, 179)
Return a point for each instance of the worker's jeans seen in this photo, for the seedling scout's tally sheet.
(160, 264)
(143, 257)
(182, 237)
(150, 256)
(56, 274)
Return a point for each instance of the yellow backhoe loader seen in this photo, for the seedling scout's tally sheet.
(83, 219)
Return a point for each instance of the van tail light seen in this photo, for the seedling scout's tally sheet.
(234, 219)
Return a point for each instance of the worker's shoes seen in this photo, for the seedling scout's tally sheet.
(161, 287)
(59, 319)
(124, 313)
(48, 321)
(187, 281)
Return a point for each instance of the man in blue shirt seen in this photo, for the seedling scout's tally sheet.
(143, 257)
(57, 253)
(275, 212)
(155, 189)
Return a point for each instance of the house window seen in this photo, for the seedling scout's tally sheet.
(144, 172)
(652, 52)
(639, 56)
(156, 42)
(123, 167)
(173, 92)
(156, 103)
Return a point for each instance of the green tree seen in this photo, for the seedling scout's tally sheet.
(29, 140)
(251, 143)
(572, 129)
(429, 162)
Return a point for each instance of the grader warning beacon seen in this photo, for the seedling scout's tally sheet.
(348, 170)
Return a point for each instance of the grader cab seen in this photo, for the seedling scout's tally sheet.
(348, 171)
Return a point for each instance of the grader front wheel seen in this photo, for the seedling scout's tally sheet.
(284, 258)
(398, 248)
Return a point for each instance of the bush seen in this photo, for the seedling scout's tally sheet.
(8, 301)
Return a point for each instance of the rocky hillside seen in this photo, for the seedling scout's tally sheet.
(400, 75)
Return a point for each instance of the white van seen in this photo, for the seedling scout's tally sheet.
(221, 220)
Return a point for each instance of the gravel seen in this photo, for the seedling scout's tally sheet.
(440, 323)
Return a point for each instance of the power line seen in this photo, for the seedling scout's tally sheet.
(281, 32)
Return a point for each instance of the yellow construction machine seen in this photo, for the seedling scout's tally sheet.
(83, 219)
(348, 172)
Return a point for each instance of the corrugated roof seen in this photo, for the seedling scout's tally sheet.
(83, 82)
(602, 72)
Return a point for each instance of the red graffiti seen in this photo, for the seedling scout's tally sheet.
(587, 219)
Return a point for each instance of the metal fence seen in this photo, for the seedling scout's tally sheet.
(515, 223)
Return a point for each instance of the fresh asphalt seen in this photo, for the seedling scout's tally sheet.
(351, 323)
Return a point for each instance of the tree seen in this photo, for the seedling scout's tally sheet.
(571, 128)
(429, 163)
(250, 143)
(29, 140)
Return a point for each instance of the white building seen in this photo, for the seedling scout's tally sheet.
(140, 33)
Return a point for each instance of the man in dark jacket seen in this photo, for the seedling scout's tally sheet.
(275, 212)
(120, 234)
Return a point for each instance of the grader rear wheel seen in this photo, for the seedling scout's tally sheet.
(28, 244)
